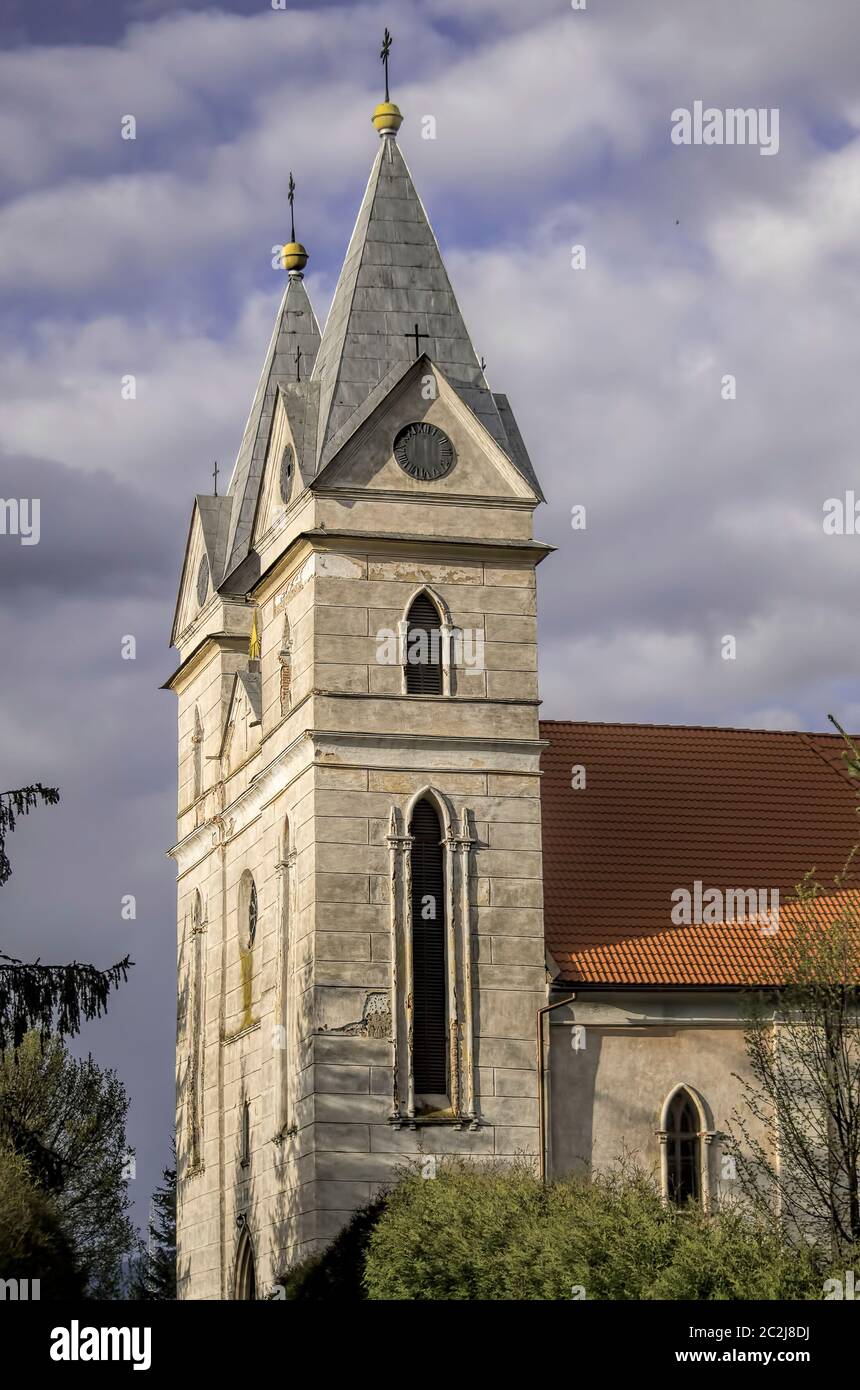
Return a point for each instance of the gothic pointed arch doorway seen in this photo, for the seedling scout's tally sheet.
(246, 1271)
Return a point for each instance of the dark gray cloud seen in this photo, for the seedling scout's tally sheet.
(97, 535)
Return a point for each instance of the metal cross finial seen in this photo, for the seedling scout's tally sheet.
(291, 194)
(416, 335)
(298, 362)
(215, 476)
(386, 49)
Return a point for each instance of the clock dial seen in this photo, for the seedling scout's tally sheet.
(424, 452)
(202, 581)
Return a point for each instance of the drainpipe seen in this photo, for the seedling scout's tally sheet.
(547, 1009)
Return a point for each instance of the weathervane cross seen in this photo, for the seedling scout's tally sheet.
(386, 49)
(215, 476)
(290, 195)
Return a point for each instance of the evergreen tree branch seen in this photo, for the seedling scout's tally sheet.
(53, 998)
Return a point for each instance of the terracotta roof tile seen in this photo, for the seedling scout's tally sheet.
(664, 807)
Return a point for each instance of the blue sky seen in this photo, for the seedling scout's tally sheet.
(153, 257)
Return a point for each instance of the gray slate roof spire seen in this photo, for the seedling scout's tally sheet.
(295, 327)
(394, 277)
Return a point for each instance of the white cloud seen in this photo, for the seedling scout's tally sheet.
(553, 129)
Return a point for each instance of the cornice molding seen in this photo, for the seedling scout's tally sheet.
(246, 807)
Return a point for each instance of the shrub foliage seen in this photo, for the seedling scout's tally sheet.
(495, 1233)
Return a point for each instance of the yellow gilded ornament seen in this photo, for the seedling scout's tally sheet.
(294, 256)
(254, 644)
(387, 117)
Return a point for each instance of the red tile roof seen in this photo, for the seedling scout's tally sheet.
(664, 807)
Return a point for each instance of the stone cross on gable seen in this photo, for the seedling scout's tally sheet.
(416, 335)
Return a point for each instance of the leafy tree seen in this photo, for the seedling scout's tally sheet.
(53, 998)
(154, 1277)
(33, 1244)
(797, 1138)
(67, 1119)
(802, 1153)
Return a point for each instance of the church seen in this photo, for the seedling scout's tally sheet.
(414, 920)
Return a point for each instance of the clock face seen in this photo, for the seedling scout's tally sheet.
(202, 581)
(424, 452)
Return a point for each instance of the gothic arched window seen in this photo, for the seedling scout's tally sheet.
(246, 1274)
(423, 655)
(430, 1052)
(684, 1149)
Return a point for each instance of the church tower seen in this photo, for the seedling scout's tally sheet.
(360, 927)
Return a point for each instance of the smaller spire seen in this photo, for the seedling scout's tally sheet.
(294, 257)
(387, 117)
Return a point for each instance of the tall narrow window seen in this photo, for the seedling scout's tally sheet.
(285, 662)
(429, 1049)
(195, 1042)
(252, 914)
(423, 648)
(283, 1034)
(197, 755)
(245, 1138)
(684, 1149)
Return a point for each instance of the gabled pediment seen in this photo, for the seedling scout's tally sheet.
(289, 362)
(392, 285)
(207, 539)
(242, 726)
(364, 458)
(290, 456)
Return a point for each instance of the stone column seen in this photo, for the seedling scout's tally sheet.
(283, 1038)
(451, 844)
(400, 887)
(463, 844)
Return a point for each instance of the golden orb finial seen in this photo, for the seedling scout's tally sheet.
(294, 257)
(387, 118)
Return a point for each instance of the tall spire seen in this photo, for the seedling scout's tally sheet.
(296, 331)
(393, 298)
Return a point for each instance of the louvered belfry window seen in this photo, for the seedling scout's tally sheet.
(423, 648)
(429, 1050)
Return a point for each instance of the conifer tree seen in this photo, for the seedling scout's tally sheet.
(50, 998)
(155, 1275)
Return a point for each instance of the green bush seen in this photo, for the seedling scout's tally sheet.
(496, 1233)
(735, 1255)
